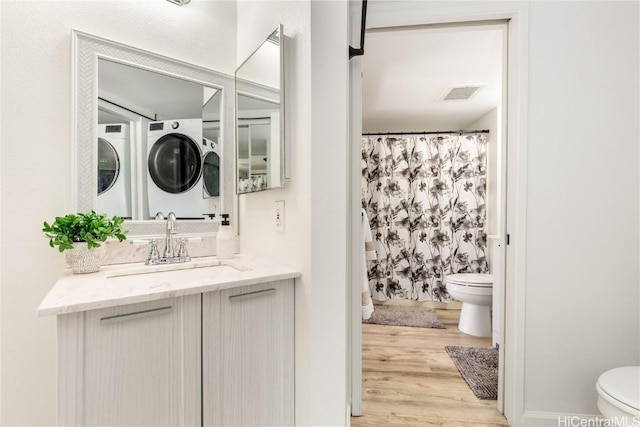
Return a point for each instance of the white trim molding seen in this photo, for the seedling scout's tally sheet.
(516, 227)
(86, 50)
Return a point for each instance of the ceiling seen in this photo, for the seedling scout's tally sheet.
(407, 72)
(148, 93)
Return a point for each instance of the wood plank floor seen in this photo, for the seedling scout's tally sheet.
(410, 380)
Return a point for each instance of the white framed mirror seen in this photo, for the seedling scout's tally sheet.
(260, 138)
(124, 101)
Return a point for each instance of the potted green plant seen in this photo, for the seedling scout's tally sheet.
(81, 235)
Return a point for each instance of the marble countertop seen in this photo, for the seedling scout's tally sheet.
(122, 284)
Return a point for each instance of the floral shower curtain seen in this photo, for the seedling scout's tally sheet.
(425, 197)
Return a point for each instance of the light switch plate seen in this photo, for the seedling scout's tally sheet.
(279, 216)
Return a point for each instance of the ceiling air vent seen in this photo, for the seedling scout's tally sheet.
(461, 93)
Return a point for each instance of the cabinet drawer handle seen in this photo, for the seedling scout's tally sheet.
(252, 294)
(136, 315)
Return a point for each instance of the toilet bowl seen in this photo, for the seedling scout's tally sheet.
(475, 291)
(619, 395)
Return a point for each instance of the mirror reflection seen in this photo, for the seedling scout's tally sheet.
(259, 118)
(258, 137)
(158, 144)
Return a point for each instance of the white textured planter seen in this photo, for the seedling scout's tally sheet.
(83, 260)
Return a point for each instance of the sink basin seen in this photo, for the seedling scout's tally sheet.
(161, 278)
(160, 268)
(149, 269)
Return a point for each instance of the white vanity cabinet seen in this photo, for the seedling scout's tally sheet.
(132, 365)
(248, 355)
(220, 358)
(205, 346)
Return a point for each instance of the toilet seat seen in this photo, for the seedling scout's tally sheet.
(472, 280)
(619, 387)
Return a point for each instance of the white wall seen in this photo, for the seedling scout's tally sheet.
(582, 300)
(490, 122)
(35, 133)
(315, 198)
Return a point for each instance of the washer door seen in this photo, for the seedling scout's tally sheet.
(108, 165)
(175, 163)
(211, 174)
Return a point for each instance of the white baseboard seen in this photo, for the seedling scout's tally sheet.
(551, 419)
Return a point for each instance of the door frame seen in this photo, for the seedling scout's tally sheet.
(404, 14)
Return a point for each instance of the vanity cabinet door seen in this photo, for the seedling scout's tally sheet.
(254, 371)
(133, 365)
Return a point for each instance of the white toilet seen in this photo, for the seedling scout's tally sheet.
(619, 395)
(475, 291)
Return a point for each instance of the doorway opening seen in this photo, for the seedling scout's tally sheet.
(408, 74)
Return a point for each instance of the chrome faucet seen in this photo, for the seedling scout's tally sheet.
(169, 256)
(171, 230)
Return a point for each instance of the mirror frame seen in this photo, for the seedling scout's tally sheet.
(86, 50)
(266, 94)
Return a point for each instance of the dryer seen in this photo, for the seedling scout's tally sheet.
(114, 170)
(174, 168)
(211, 168)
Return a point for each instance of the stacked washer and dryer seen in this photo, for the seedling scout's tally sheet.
(183, 168)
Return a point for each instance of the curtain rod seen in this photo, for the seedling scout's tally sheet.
(457, 132)
(129, 110)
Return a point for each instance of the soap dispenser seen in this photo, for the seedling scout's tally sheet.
(225, 240)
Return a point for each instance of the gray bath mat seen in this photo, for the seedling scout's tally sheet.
(479, 368)
(420, 317)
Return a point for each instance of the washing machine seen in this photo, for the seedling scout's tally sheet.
(210, 168)
(114, 170)
(174, 168)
